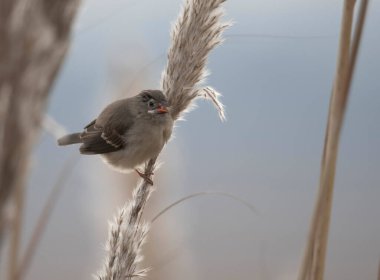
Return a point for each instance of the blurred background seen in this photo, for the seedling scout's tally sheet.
(275, 72)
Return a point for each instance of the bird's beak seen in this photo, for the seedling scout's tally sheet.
(162, 109)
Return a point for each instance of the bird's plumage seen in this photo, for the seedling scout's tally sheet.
(127, 132)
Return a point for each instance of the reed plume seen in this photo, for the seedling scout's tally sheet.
(196, 32)
(127, 235)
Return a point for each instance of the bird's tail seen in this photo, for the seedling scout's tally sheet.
(70, 139)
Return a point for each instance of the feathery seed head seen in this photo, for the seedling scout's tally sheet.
(197, 31)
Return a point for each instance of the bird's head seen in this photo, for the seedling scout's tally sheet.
(154, 102)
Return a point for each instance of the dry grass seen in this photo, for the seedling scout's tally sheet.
(313, 266)
(179, 201)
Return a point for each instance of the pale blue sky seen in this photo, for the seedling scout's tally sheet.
(276, 90)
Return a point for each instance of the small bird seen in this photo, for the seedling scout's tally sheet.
(128, 132)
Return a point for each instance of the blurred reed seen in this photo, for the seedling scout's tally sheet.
(34, 36)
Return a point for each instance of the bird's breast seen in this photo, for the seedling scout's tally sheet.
(143, 142)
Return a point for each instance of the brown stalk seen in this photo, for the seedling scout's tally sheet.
(314, 259)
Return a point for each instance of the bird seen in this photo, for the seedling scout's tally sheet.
(128, 132)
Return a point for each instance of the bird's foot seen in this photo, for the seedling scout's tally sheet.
(145, 176)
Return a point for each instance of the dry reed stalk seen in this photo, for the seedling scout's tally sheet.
(197, 31)
(314, 260)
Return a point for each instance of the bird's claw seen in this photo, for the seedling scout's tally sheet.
(145, 176)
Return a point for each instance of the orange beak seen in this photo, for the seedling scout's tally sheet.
(162, 109)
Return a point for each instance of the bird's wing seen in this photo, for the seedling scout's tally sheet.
(105, 134)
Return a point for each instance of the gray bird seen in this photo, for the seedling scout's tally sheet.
(128, 132)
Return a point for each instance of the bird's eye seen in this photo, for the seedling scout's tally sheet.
(151, 103)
